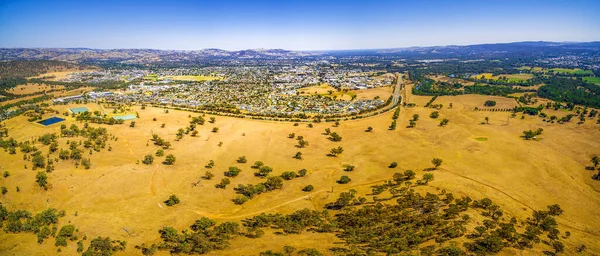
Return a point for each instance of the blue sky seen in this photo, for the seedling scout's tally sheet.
(295, 25)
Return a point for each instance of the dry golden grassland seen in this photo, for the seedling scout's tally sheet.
(58, 75)
(117, 193)
(55, 94)
(194, 78)
(442, 78)
(324, 90)
(33, 88)
(510, 77)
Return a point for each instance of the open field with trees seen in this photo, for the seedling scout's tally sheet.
(301, 155)
(194, 78)
(506, 77)
(516, 174)
(33, 88)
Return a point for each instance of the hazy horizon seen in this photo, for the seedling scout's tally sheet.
(318, 50)
(304, 26)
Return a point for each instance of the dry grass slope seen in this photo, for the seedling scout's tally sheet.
(117, 194)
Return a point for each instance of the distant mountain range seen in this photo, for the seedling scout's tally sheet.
(140, 56)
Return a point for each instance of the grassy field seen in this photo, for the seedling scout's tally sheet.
(442, 78)
(594, 80)
(575, 71)
(489, 160)
(382, 92)
(55, 94)
(194, 78)
(536, 69)
(510, 77)
(322, 89)
(33, 88)
(61, 74)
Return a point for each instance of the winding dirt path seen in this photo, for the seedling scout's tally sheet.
(520, 202)
(234, 216)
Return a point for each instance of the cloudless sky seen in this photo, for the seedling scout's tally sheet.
(295, 25)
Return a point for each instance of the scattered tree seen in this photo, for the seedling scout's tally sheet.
(298, 155)
(302, 172)
(335, 137)
(257, 164)
(344, 180)
(532, 134)
(412, 124)
(224, 182)
(169, 159)
(42, 180)
(349, 167)
(148, 159)
(210, 164)
(336, 151)
(232, 172)
(208, 175)
(289, 175)
(444, 122)
(86, 163)
(427, 177)
(173, 200)
(595, 161)
(263, 171)
(489, 103)
(436, 162)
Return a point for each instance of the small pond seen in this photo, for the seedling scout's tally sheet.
(51, 120)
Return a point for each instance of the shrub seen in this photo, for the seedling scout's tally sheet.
(302, 172)
(393, 165)
(148, 159)
(170, 159)
(263, 171)
(240, 199)
(258, 164)
(344, 180)
(444, 122)
(232, 172)
(349, 167)
(173, 200)
(308, 188)
(288, 175)
(104, 246)
(224, 182)
(42, 180)
(208, 175)
(489, 103)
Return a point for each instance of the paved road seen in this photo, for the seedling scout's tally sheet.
(397, 90)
